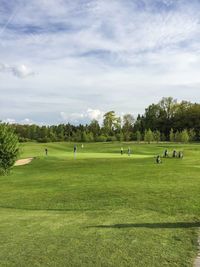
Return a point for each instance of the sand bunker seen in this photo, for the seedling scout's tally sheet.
(21, 162)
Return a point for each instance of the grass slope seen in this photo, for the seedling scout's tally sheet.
(102, 209)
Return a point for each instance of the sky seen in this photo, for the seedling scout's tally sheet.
(71, 61)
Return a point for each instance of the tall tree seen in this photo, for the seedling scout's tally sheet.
(111, 123)
(94, 128)
(128, 123)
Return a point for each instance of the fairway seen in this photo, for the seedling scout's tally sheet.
(101, 208)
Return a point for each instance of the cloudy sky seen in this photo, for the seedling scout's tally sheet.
(64, 60)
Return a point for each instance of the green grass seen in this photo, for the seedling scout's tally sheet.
(101, 209)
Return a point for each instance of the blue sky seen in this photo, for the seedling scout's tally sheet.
(71, 61)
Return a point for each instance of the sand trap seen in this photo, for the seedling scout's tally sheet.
(197, 260)
(21, 162)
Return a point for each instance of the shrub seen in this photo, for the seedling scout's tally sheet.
(8, 148)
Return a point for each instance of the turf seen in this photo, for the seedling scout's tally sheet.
(101, 209)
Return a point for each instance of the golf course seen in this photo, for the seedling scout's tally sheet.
(101, 208)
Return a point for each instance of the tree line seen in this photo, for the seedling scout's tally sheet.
(167, 120)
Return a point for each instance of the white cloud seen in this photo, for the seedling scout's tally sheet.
(23, 121)
(20, 71)
(10, 121)
(84, 117)
(94, 114)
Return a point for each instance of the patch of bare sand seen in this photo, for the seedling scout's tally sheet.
(21, 162)
(197, 260)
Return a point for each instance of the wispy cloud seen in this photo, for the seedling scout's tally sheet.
(111, 53)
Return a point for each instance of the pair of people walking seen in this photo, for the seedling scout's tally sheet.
(122, 151)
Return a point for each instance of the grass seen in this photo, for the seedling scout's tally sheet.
(101, 209)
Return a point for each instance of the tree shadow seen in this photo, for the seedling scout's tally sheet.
(167, 225)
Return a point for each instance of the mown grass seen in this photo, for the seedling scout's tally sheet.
(101, 209)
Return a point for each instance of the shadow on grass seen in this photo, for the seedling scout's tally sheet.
(151, 225)
(47, 209)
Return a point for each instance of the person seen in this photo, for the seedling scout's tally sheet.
(75, 149)
(166, 153)
(180, 154)
(158, 159)
(129, 151)
(82, 146)
(122, 150)
(46, 151)
(174, 154)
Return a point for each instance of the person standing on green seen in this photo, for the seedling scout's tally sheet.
(174, 154)
(75, 150)
(158, 159)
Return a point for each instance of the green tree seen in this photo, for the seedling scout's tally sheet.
(94, 128)
(157, 136)
(184, 136)
(163, 137)
(192, 134)
(171, 136)
(169, 106)
(148, 136)
(8, 148)
(128, 122)
(111, 123)
(138, 136)
(177, 136)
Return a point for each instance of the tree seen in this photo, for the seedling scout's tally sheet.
(168, 105)
(111, 123)
(184, 136)
(171, 136)
(163, 137)
(192, 134)
(148, 136)
(94, 128)
(177, 136)
(128, 122)
(157, 136)
(8, 148)
(138, 136)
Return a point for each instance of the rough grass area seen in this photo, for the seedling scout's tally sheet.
(101, 209)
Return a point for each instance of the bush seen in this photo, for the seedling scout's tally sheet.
(111, 139)
(101, 138)
(8, 148)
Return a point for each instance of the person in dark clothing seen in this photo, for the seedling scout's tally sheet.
(158, 159)
(174, 154)
(180, 155)
(46, 151)
(75, 150)
(122, 151)
(166, 153)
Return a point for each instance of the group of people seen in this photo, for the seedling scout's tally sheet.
(175, 154)
(75, 150)
(122, 151)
